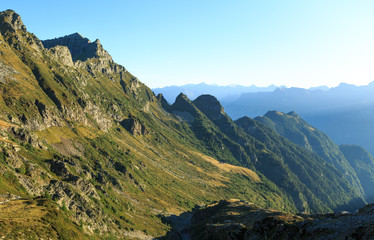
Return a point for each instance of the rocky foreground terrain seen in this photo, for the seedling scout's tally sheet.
(235, 219)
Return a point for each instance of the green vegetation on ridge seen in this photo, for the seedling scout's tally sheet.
(90, 138)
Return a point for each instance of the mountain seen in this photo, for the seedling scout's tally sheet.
(363, 163)
(87, 151)
(293, 169)
(90, 151)
(295, 129)
(300, 100)
(192, 91)
(344, 112)
(351, 125)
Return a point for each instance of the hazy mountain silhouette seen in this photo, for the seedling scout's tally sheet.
(192, 91)
(345, 112)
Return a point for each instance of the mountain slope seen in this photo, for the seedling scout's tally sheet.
(224, 93)
(300, 100)
(294, 128)
(294, 170)
(344, 113)
(363, 163)
(79, 129)
(349, 125)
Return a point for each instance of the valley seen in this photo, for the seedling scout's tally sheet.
(87, 151)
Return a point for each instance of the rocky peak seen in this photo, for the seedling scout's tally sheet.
(184, 108)
(10, 21)
(81, 48)
(293, 114)
(208, 102)
(182, 97)
(270, 114)
(63, 54)
(246, 122)
(182, 101)
(277, 116)
(210, 106)
(160, 97)
(165, 105)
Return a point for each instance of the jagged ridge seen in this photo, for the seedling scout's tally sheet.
(94, 139)
(80, 47)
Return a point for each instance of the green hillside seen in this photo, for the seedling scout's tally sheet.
(84, 144)
(294, 128)
(363, 163)
(94, 139)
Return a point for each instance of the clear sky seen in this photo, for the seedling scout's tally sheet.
(174, 42)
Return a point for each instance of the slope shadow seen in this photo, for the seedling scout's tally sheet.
(180, 226)
(351, 206)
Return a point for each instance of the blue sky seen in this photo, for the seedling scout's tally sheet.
(175, 42)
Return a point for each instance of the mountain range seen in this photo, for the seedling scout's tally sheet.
(90, 152)
(192, 91)
(344, 112)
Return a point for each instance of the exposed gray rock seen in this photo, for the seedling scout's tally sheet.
(84, 53)
(134, 126)
(62, 54)
(80, 47)
(6, 73)
(11, 22)
(25, 136)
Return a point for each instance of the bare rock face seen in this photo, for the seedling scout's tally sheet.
(7, 73)
(11, 22)
(134, 126)
(62, 54)
(165, 105)
(80, 47)
(15, 33)
(25, 136)
(84, 53)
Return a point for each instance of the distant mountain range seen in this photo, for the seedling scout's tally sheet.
(303, 101)
(87, 151)
(192, 91)
(345, 112)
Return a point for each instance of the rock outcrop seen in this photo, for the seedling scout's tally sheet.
(236, 220)
(62, 53)
(11, 22)
(134, 126)
(183, 108)
(210, 106)
(80, 47)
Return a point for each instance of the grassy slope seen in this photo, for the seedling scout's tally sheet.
(37, 219)
(135, 179)
(73, 147)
